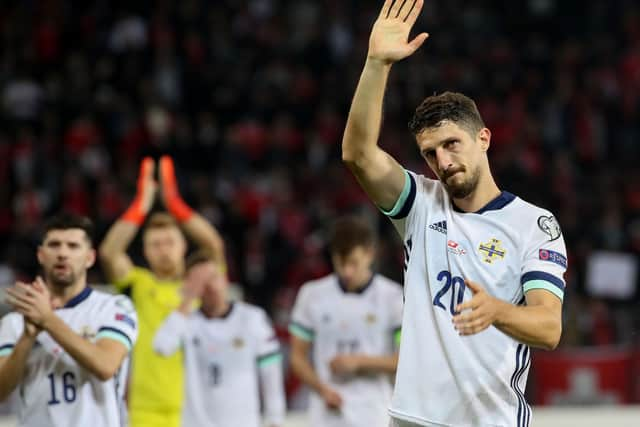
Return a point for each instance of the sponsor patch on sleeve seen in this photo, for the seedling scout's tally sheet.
(120, 317)
(553, 256)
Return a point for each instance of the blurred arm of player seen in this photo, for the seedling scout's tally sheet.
(538, 323)
(362, 364)
(380, 175)
(195, 226)
(102, 359)
(113, 250)
(171, 334)
(12, 367)
(301, 366)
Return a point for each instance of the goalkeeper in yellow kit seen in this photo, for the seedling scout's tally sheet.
(156, 386)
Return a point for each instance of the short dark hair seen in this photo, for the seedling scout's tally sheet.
(66, 221)
(448, 106)
(349, 232)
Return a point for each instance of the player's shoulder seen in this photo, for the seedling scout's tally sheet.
(248, 309)
(13, 319)
(529, 215)
(319, 286)
(385, 283)
(103, 299)
(387, 287)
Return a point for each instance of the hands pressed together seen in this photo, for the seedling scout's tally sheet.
(35, 303)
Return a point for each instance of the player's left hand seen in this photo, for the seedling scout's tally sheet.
(33, 301)
(478, 313)
(345, 364)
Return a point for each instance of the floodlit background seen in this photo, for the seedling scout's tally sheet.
(250, 98)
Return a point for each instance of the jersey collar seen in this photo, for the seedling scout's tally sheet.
(83, 295)
(496, 204)
(358, 291)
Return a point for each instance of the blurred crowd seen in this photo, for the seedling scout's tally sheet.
(250, 98)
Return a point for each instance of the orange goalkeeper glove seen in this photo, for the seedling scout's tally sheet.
(145, 194)
(170, 195)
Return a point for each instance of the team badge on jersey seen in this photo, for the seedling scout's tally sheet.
(370, 318)
(492, 251)
(550, 226)
(238, 342)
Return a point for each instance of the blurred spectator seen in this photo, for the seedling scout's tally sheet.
(250, 97)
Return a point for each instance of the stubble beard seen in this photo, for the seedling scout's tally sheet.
(464, 189)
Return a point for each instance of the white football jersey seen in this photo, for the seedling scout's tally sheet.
(222, 358)
(56, 390)
(339, 322)
(509, 247)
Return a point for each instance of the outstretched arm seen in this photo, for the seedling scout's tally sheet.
(378, 173)
(113, 250)
(195, 226)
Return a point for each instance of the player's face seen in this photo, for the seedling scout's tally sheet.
(354, 268)
(65, 256)
(456, 157)
(164, 250)
(214, 280)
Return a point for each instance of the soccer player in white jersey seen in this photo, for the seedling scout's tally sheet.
(484, 269)
(231, 353)
(349, 322)
(65, 347)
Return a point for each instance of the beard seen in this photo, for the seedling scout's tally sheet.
(61, 279)
(463, 189)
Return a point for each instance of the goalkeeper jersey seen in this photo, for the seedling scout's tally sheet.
(156, 382)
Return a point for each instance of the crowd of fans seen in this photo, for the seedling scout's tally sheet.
(250, 98)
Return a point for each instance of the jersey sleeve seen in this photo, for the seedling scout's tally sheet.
(170, 336)
(268, 347)
(418, 194)
(135, 277)
(120, 322)
(8, 335)
(301, 324)
(545, 260)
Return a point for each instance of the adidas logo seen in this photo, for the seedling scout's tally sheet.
(440, 226)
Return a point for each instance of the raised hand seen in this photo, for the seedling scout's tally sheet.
(147, 185)
(145, 195)
(169, 191)
(389, 40)
(34, 302)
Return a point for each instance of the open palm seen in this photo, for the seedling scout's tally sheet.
(389, 40)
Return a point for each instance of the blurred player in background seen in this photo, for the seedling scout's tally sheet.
(65, 346)
(351, 320)
(230, 349)
(156, 387)
(484, 269)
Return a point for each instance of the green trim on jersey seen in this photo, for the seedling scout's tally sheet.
(6, 351)
(543, 284)
(397, 334)
(301, 332)
(402, 198)
(114, 336)
(270, 358)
